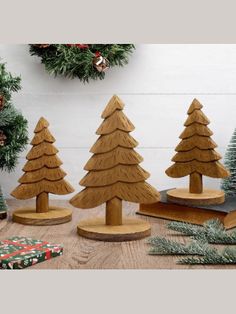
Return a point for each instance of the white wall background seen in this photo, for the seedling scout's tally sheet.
(157, 87)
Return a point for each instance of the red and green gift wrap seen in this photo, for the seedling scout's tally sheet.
(21, 252)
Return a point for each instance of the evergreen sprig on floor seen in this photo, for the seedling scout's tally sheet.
(200, 249)
(212, 257)
(212, 231)
(163, 246)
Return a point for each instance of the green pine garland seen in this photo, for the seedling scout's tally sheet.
(75, 62)
(12, 122)
(229, 184)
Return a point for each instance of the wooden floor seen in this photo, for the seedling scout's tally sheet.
(80, 253)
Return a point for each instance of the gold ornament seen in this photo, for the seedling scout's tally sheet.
(101, 63)
(2, 138)
(1, 102)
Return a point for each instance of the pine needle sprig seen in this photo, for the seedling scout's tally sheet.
(212, 257)
(163, 246)
(185, 228)
(212, 231)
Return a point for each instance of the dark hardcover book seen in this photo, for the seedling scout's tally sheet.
(226, 212)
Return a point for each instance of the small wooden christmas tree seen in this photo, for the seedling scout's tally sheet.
(196, 157)
(42, 176)
(114, 175)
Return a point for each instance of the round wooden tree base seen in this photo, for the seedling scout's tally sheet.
(55, 216)
(131, 229)
(207, 197)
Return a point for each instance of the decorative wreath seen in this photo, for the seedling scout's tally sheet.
(84, 61)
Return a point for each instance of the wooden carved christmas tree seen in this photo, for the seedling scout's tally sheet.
(196, 157)
(114, 175)
(42, 176)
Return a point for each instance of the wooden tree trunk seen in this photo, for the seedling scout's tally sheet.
(114, 212)
(42, 203)
(195, 183)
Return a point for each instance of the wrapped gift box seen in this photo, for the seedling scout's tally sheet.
(21, 252)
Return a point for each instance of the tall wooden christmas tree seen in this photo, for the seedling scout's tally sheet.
(196, 157)
(114, 175)
(42, 176)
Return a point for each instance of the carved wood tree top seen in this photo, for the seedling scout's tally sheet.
(113, 170)
(195, 152)
(42, 170)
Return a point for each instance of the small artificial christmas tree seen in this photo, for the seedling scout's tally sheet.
(196, 157)
(42, 176)
(13, 127)
(3, 206)
(229, 184)
(114, 175)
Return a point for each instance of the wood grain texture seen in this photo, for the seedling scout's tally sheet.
(140, 192)
(45, 161)
(179, 213)
(114, 212)
(108, 142)
(55, 216)
(205, 155)
(119, 173)
(201, 142)
(115, 103)
(195, 128)
(195, 183)
(82, 253)
(117, 120)
(130, 230)
(119, 155)
(207, 197)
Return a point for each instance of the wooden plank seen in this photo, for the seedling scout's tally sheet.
(82, 253)
(163, 68)
(151, 114)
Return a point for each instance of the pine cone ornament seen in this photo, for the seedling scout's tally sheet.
(1, 102)
(2, 138)
(100, 63)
